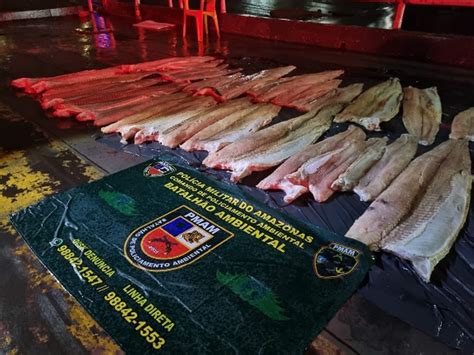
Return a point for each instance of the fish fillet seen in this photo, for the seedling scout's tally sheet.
(239, 86)
(343, 95)
(273, 145)
(297, 82)
(421, 213)
(306, 94)
(150, 128)
(378, 104)
(319, 173)
(394, 160)
(422, 113)
(159, 104)
(183, 131)
(373, 152)
(463, 125)
(276, 180)
(233, 128)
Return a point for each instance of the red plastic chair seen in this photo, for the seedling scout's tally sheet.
(207, 9)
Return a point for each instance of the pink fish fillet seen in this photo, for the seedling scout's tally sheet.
(276, 180)
(318, 174)
(306, 94)
(296, 82)
(240, 86)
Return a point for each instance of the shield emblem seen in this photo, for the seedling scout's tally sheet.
(158, 169)
(335, 260)
(173, 240)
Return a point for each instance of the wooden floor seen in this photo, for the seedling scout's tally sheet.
(40, 156)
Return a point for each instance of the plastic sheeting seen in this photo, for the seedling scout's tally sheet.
(165, 258)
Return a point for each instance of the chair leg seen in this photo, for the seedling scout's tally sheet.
(170, 3)
(199, 25)
(206, 27)
(216, 24)
(184, 25)
(180, 4)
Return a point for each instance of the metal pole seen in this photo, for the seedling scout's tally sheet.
(223, 7)
(91, 7)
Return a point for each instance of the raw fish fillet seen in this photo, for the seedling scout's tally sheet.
(419, 216)
(166, 64)
(343, 95)
(277, 181)
(150, 106)
(150, 128)
(181, 132)
(211, 83)
(232, 128)
(463, 125)
(373, 152)
(239, 86)
(288, 85)
(422, 113)
(199, 74)
(319, 173)
(273, 145)
(378, 104)
(394, 160)
(159, 105)
(305, 94)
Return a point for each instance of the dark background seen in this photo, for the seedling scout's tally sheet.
(436, 19)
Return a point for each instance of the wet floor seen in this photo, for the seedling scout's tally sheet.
(54, 46)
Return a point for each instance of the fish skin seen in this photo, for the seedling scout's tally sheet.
(276, 180)
(318, 174)
(421, 223)
(183, 131)
(373, 152)
(166, 64)
(296, 82)
(395, 159)
(210, 83)
(378, 104)
(234, 127)
(422, 113)
(271, 146)
(463, 125)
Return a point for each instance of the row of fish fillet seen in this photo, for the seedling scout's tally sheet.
(172, 102)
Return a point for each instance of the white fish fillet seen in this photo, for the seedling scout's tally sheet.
(395, 158)
(463, 125)
(378, 104)
(421, 213)
(233, 128)
(422, 113)
(180, 132)
(343, 95)
(276, 180)
(271, 146)
(355, 172)
(149, 129)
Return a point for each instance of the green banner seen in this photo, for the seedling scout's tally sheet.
(167, 259)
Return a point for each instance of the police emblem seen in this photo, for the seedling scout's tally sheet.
(173, 240)
(335, 260)
(158, 169)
